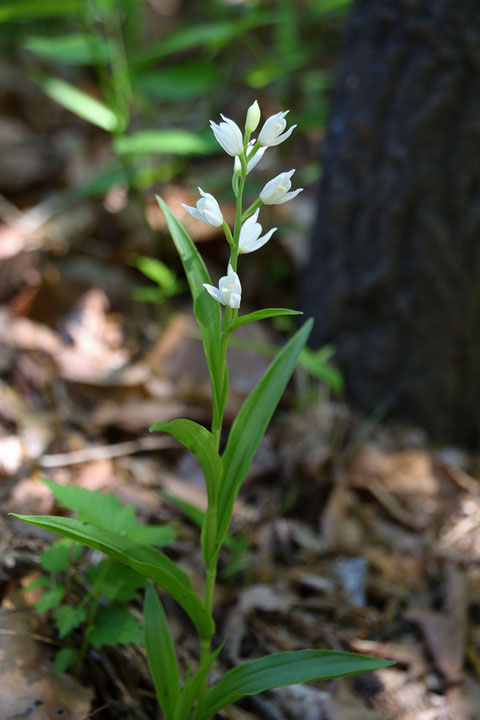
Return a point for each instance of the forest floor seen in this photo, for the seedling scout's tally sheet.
(348, 536)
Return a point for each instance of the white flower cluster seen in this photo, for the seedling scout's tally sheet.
(247, 154)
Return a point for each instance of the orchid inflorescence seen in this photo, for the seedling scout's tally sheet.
(247, 236)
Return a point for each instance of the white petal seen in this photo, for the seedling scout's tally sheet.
(285, 198)
(234, 301)
(194, 212)
(283, 137)
(214, 292)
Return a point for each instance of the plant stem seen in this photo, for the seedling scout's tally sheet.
(230, 315)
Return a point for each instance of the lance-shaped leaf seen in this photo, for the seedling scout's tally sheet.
(193, 685)
(146, 560)
(251, 423)
(161, 656)
(262, 315)
(201, 443)
(78, 102)
(206, 309)
(280, 669)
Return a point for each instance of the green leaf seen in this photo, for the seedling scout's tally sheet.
(78, 102)
(280, 669)
(251, 423)
(160, 273)
(64, 659)
(201, 443)
(160, 653)
(207, 310)
(316, 363)
(32, 9)
(57, 556)
(147, 561)
(181, 81)
(105, 511)
(41, 582)
(262, 315)
(193, 685)
(114, 625)
(119, 582)
(157, 535)
(73, 49)
(153, 142)
(67, 618)
(50, 598)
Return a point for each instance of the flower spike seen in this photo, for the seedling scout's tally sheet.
(250, 239)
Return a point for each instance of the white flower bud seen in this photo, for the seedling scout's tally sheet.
(229, 291)
(228, 135)
(271, 132)
(276, 192)
(207, 210)
(253, 117)
(250, 231)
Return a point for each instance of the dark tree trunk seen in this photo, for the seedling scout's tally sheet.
(394, 275)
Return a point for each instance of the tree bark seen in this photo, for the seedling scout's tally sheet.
(394, 273)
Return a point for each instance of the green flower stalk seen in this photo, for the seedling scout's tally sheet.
(217, 312)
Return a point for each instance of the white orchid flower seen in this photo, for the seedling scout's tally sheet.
(271, 132)
(207, 210)
(250, 231)
(228, 135)
(253, 162)
(229, 291)
(276, 192)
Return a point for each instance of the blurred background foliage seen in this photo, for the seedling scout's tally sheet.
(152, 72)
(138, 81)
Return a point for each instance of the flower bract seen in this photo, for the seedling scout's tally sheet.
(272, 130)
(276, 192)
(228, 135)
(207, 210)
(250, 232)
(229, 291)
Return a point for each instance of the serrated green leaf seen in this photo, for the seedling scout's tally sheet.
(64, 659)
(92, 506)
(78, 102)
(67, 618)
(280, 669)
(206, 309)
(114, 625)
(32, 9)
(57, 556)
(147, 561)
(50, 598)
(251, 423)
(161, 656)
(119, 582)
(262, 315)
(153, 142)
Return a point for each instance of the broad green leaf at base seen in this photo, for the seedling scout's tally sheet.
(280, 669)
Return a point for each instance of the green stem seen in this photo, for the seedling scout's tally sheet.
(229, 317)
